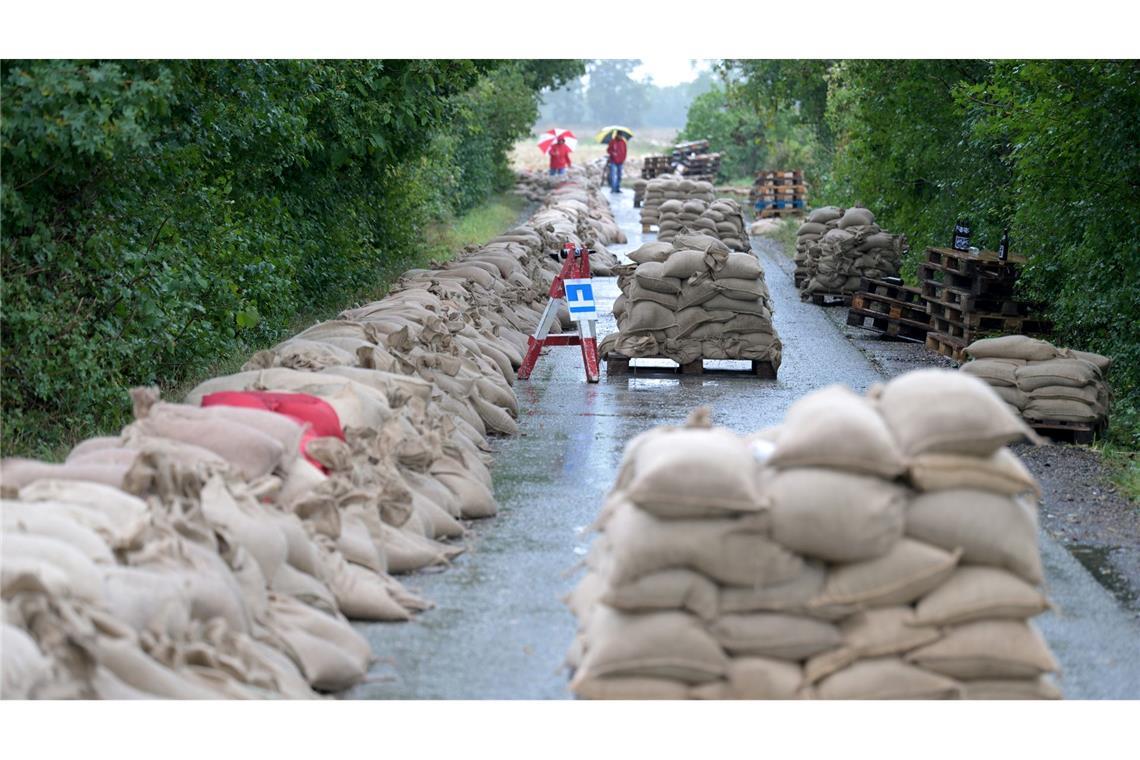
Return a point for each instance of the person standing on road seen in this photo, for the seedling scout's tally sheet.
(616, 152)
(559, 157)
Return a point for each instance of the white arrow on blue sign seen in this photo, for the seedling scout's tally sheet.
(580, 300)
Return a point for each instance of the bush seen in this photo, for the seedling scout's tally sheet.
(158, 215)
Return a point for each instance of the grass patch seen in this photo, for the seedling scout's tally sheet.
(477, 226)
(442, 242)
(1124, 470)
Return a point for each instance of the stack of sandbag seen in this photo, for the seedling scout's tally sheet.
(217, 548)
(535, 185)
(677, 215)
(673, 188)
(836, 248)
(690, 299)
(867, 548)
(724, 219)
(1041, 382)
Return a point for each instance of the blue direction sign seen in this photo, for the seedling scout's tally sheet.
(580, 300)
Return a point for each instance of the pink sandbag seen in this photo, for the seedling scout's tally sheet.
(302, 407)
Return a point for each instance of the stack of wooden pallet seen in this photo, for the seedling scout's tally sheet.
(655, 166)
(779, 193)
(693, 148)
(969, 295)
(702, 166)
(890, 309)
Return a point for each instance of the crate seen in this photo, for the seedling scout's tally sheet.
(1069, 432)
(947, 345)
(827, 299)
(618, 365)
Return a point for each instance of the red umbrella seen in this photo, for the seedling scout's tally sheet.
(550, 136)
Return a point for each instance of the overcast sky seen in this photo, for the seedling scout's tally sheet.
(670, 71)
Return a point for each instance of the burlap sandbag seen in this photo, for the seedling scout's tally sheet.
(873, 633)
(1012, 347)
(835, 516)
(730, 551)
(1015, 397)
(1089, 395)
(1072, 372)
(1001, 473)
(1011, 688)
(910, 570)
(988, 649)
(740, 266)
(791, 596)
(1062, 410)
(993, 371)
(683, 264)
(37, 562)
(774, 634)
(670, 645)
(977, 592)
(694, 472)
(834, 427)
(825, 214)
(676, 589)
(942, 411)
(1103, 363)
(655, 276)
(621, 688)
(754, 678)
(637, 292)
(886, 678)
(990, 529)
(648, 317)
(856, 217)
(653, 251)
(23, 666)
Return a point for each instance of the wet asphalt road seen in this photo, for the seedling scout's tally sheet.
(499, 629)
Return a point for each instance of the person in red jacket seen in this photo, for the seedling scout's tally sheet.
(616, 151)
(559, 157)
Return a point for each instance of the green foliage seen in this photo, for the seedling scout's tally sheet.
(1047, 148)
(158, 215)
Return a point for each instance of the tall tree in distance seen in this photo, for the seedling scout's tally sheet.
(613, 95)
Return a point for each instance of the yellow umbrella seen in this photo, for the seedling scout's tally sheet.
(607, 133)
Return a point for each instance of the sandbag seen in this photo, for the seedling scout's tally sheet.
(773, 634)
(988, 649)
(976, 592)
(989, 529)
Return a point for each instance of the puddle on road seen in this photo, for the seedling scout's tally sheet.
(1097, 561)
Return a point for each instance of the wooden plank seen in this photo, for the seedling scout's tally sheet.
(617, 365)
(983, 256)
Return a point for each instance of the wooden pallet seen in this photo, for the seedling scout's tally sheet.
(617, 364)
(827, 299)
(1069, 432)
(947, 345)
(892, 308)
(770, 212)
(965, 262)
(887, 326)
(983, 284)
(980, 321)
(798, 279)
(938, 293)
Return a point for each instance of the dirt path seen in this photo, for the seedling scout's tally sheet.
(500, 630)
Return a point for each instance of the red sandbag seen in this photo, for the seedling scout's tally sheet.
(302, 407)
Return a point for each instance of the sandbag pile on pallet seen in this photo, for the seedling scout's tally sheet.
(217, 548)
(693, 298)
(867, 548)
(1041, 382)
(673, 188)
(836, 248)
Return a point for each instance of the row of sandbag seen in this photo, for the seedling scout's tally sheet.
(722, 219)
(1041, 382)
(836, 248)
(878, 547)
(693, 299)
(213, 550)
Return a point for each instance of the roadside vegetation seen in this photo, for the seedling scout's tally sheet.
(1045, 148)
(164, 217)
